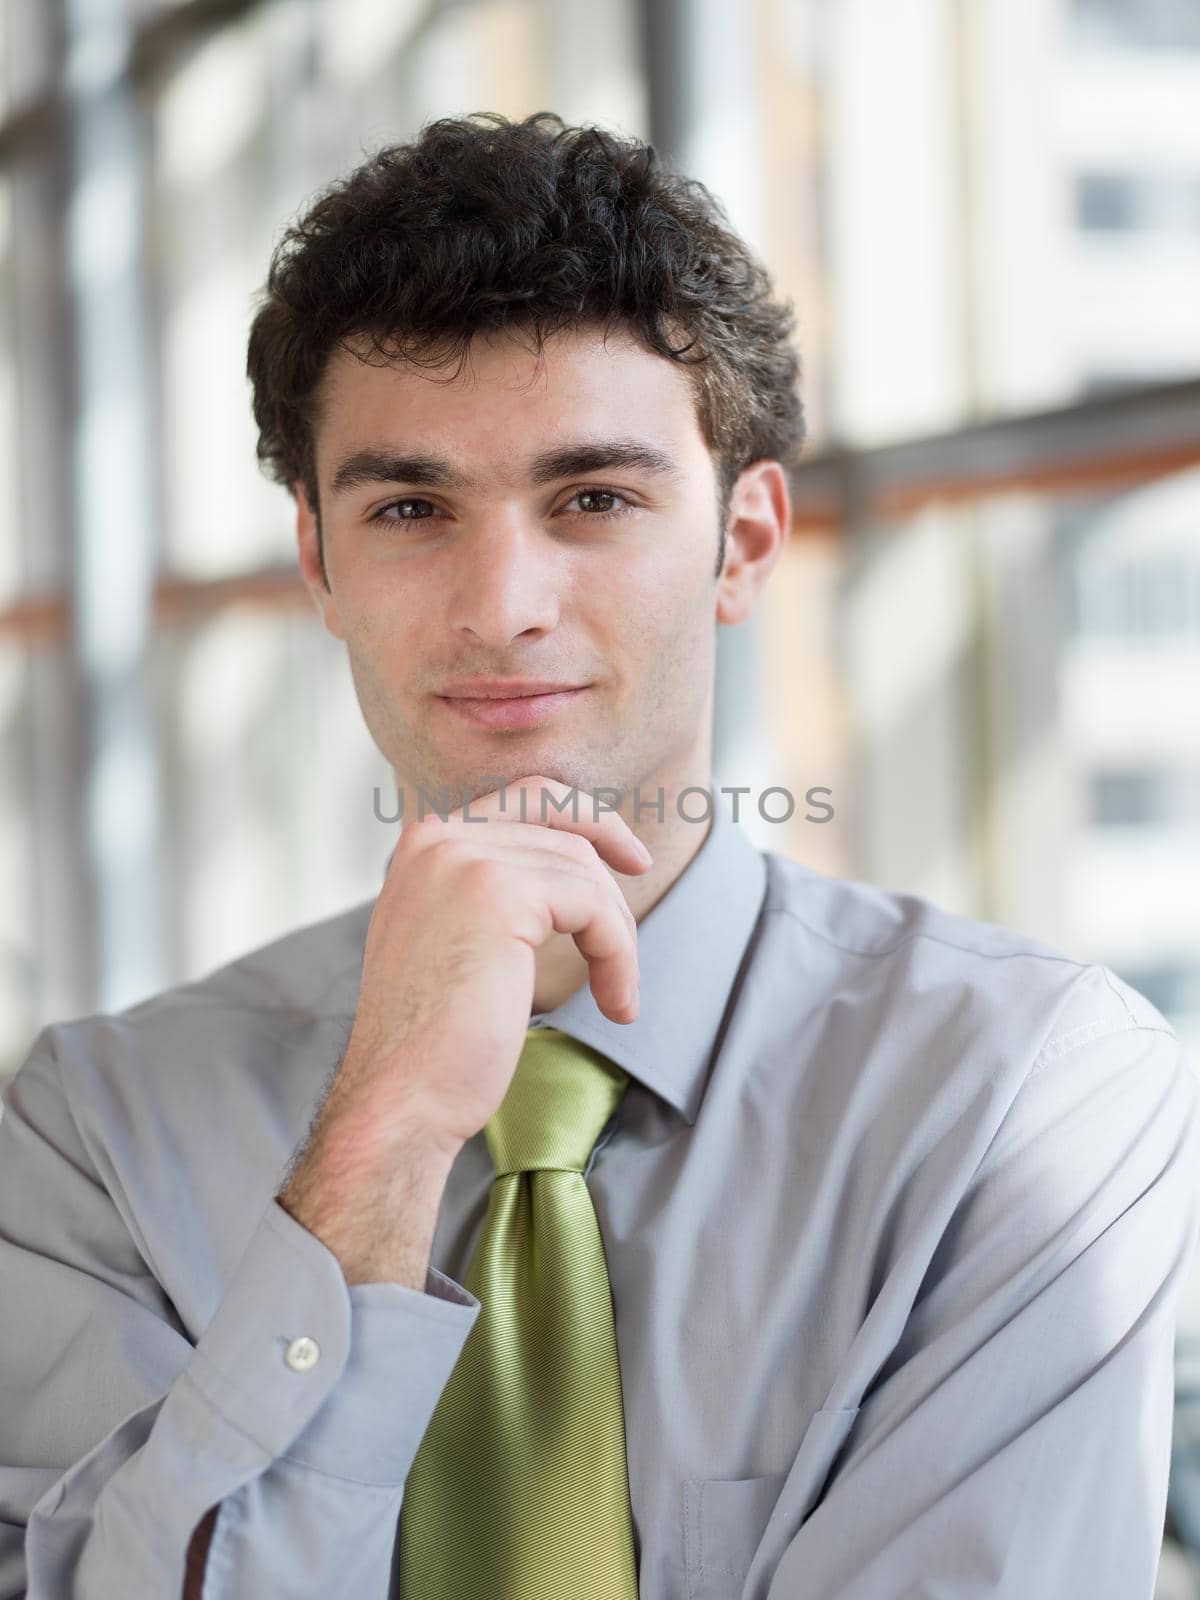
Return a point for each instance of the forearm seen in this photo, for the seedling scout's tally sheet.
(297, 1462)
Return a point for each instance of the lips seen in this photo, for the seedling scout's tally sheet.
(511, 711)
(499, 689)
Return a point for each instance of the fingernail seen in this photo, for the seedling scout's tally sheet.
(643, 852)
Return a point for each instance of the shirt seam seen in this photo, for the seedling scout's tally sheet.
(1124, 1003)
(932, 938)
(1028, 1075)
(128, 1222)
(342, 1477)
(225, 1385)
(201, 990)
(197, 994)
(433, 1307)
(1055, 1047)
(313, 931)
(273, 1455)
(205, 1394)
(1062, 1045)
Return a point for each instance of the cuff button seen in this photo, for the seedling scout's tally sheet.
(302, 1354)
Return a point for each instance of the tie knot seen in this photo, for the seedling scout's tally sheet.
(561, 1095)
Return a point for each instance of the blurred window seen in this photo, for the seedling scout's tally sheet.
(1144, 599)
(1124, 202)
(25, 28)
(1171, 986)
(1144, 795)
(1108, 203)
(1138, 24)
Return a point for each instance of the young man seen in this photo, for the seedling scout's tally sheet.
(415, 1254)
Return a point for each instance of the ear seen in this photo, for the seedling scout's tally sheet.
(760, 518)
(312, 566)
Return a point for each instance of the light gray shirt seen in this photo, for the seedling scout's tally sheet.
(896, 1209)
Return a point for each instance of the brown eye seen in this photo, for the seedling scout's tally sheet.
(406, 512)
(611, 504)
(594, 495)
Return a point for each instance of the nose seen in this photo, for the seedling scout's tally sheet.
(507, 582)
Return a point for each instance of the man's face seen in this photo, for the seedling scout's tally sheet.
(466, 549)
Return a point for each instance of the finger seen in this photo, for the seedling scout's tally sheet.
(553, 805)
(602, 932)
(524, 842)
(558, 806)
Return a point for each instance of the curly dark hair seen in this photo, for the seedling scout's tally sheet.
(531, 227)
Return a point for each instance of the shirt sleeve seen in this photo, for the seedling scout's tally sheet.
(296, 1413)
(1017, 1441)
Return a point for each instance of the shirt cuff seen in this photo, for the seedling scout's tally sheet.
(289, 1331)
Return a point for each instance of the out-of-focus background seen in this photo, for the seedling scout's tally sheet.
(984, 637)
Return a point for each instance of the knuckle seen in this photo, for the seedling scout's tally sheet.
(484, 877)
(575, 845)
(424, 831)
(435, 850)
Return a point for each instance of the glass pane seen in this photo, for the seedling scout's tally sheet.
(256, 119)
(254, 704)
(19, 988)
(227, 167)
(11, 554)
(1131, 686)
(1023, 680)
(1009, 205)
(1137, 24)
(25, 38)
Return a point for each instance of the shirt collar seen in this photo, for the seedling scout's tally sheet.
(690, 946)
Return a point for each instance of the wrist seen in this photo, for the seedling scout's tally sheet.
(372, 1202)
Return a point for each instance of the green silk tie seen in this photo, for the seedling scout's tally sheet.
(520, 1488)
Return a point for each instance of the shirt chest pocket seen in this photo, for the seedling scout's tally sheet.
(724, 1518)
(723, 1521)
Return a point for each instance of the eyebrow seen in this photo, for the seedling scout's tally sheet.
(375, 464)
